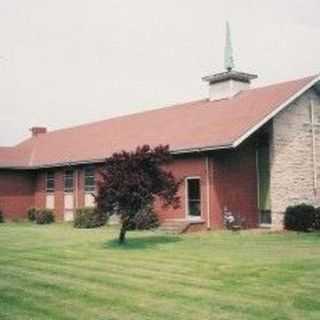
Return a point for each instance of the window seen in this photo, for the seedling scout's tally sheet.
(68, 181)
(50, 182)
(263, 166)
(193, 197)
(89, 179)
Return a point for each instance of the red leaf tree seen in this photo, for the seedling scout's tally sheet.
(131, 181)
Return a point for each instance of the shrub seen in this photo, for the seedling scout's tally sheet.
(144, 220)
(44, 216)
(1, 217)
(299, 218)
(316, 223)
(89, 218)
(31, 213)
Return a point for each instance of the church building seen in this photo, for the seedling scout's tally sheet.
(250, 151)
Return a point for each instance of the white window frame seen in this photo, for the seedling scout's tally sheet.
(187, 198)
(47, 190)
(94, 177)
(67, 191)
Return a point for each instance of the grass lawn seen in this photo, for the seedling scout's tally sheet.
(57, 272)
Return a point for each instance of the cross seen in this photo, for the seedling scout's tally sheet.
(314, 124)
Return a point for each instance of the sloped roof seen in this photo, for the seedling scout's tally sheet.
(198, 125)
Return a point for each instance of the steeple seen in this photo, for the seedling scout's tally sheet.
(230, 82)
(228, 51)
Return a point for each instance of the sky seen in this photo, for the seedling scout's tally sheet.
(68, 62)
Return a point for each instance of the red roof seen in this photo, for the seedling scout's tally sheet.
(196, 125)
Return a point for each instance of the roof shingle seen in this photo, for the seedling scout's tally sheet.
(195, 125)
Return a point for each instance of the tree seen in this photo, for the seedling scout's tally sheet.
(131, 182)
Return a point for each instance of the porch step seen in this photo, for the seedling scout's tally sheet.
(178, 226)
(174, 226)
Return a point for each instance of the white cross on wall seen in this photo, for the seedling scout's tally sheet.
(314, 124)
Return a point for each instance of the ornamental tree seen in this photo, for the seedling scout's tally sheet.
(131, 181)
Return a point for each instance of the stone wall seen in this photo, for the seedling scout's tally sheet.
(292, 166)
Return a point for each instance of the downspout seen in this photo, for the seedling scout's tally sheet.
(208, 193)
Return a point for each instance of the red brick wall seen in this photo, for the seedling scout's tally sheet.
(40, 187)
(40, 193)
(81, 200)
(232, 183)
(16, 193)
(235, 184)
(183, 168)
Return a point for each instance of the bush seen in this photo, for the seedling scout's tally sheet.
(316, 223)
(300, 217)
(89, 218)
(144, 220)
(1, 217)
(44, 216)
(31, 213)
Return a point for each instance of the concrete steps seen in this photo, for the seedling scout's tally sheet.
(179, 226)
(174, 226)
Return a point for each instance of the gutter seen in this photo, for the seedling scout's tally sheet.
(197, 150)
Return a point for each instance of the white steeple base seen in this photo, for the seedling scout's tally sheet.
(226, 89)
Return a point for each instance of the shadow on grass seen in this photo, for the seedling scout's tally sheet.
(139, 243)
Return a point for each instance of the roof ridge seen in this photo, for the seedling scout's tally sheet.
(175, 105)
(285, 82)
(181, 104)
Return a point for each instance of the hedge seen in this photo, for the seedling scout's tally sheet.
(89, 217)
(300, 217)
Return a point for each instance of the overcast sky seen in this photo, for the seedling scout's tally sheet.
(67, 62)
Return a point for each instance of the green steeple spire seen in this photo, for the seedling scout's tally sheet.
(228, 52)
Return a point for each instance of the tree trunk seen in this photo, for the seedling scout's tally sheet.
(123, 230)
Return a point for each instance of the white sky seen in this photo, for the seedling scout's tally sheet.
(66, 62)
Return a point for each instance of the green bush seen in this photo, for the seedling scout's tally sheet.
(89, 218)
(144, 220)
(316, 223)
(44, 216)
(300, 217)
(1, 217)
(31, 213)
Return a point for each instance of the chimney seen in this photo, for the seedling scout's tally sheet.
(38, 130)
(226, 85)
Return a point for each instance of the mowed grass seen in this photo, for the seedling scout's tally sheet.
(57, 272)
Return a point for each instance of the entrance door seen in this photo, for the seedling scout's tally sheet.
(193, 198)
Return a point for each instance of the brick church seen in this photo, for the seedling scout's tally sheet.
(251, 151)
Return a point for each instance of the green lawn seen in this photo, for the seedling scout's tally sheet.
(57, 272)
